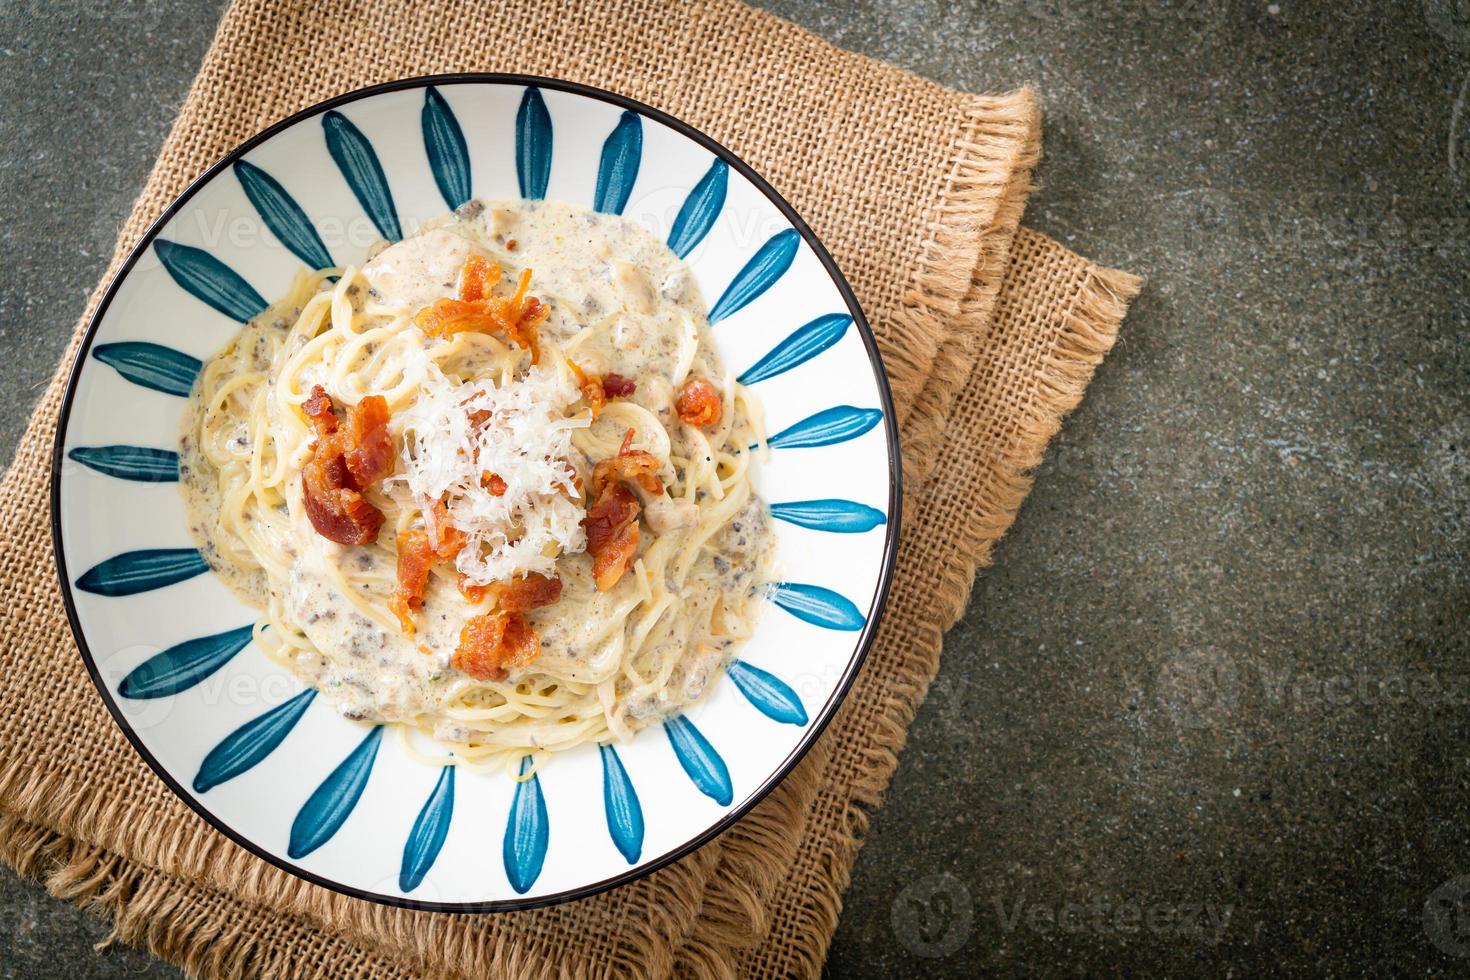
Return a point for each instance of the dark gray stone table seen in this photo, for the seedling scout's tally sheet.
(1210, 710)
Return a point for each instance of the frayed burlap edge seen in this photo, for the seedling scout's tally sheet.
(1089, 330)
(203, 933)
(1083, 327)
(755, 853)
(955, 286)
(958, 274)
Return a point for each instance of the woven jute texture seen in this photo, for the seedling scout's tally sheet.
(989, 334)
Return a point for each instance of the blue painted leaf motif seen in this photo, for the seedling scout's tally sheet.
(209, 280)
(449, 156)
(829, 426)
(760, 273)
(772, 696)
(282, 215)
(700, 760)
(701, 208)
(533, 144)
(151, 365)
(324, 812)
(526, 832)
(429, 831)
(183, 665)
(138, 463)
(358, 162)
(622, 154)
(805, 343)
(833, 514)
(620, 800)
(247, 745)
(818, 606)
(142, 571)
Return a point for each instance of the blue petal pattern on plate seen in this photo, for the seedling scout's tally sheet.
(621, 155)
(183, 665)
(251, 742)
(283, 216)
(139, 463)
(701, 208)
(151, 365)
(533, 144)
(700, 760)
(832, 514)
(818, 606)
(526, 832)
(429, 830)
(141, 571)
(620, 800)
(449, 156)
(760, 273)
(358, 162)
(192, 668)
(829, 426)
(772, 696)
(209, 280)
(324, 812)
(805, 343)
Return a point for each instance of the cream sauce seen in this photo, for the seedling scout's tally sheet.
(621, 302)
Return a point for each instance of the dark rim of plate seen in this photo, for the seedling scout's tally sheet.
(822, 717)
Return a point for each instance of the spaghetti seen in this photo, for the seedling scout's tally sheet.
(557, 414)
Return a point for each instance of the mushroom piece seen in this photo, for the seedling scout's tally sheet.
(633, 286)
(664, 513)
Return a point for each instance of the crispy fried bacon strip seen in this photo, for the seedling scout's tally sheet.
(599, 390)
(524, 315)
(451, 538)
(472, 592)
(417, 555)
(611, 521)
(612, 534)
(477, 278)
(629, 464)
(617, 386)
(345, 461)
(415, 560)
(698, 403)
(517, 316)
(369, 455)
(525, 594)
(318, 408)
(590, 385)
(490, 644)
(338, 512)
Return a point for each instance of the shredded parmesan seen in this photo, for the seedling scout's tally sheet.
(525, 439)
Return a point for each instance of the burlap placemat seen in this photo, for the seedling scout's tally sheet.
(988, 337)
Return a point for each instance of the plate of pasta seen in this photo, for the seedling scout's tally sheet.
(475, 492)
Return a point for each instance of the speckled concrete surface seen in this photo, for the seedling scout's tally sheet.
(1208, 712)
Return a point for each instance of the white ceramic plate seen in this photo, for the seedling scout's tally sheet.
(238, 737)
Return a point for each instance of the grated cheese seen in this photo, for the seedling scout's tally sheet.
(526, 441)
